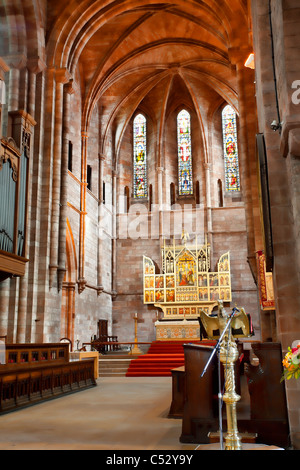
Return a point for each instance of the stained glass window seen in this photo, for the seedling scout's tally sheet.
(140, 189)
(230, 145)
(185, 173)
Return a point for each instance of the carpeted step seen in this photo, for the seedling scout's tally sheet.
(161, 358)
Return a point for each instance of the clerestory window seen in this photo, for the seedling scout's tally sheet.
(230, 146)
(140, 186)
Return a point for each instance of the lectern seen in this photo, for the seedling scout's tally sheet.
(225, 328)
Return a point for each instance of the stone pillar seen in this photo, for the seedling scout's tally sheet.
(114, 233)
(22, 131)
(82, 280)
(68, 310)
(68, 91)
(207, 168)
(34, 66)
(100, 229)
(61, 77)
(283, 167)
(247, 152)
(16, 63)
(36, 107)
(159, 171)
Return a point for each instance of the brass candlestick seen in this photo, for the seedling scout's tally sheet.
(135, 349)
(220, 327)
(228, 356)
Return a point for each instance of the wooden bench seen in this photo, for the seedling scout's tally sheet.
(37, 372)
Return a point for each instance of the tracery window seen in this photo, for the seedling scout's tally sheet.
(230, 145)
(140, 186)
(185, 170)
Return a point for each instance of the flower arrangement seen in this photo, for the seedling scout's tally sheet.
(291, 363)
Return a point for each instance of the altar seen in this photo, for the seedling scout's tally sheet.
(177, 330)
(185, 287)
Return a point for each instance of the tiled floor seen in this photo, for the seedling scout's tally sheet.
(120, 413)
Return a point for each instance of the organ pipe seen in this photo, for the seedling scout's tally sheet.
(13, 197)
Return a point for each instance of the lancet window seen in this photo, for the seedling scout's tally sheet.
(140, 186)
(185, 170)
(230, 146)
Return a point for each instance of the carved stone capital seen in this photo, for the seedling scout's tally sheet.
(71, 87)
(62, 75)
(81, 285)
(16, 61)
(36, 65)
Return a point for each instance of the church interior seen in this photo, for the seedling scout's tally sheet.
(149, 191)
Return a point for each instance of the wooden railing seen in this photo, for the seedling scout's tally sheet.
(106, 346)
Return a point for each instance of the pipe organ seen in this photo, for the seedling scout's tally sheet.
(13, 205)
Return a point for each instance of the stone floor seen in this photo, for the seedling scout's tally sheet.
(121, 413)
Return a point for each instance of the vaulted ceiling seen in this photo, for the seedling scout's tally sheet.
(132, 51)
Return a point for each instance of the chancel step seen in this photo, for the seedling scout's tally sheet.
(111, 367)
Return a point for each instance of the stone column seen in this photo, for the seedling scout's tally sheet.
(160, 171)
(16, 63)
(68, 91)
(82, 280)
(100, 232)
(22, 131)
(160, 187)
(114, 232)
(207, 168)
(61, 77)
(67, 321)
(247, 151)
(35, 66)
(282, 151)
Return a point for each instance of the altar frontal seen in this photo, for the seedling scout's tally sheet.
(185, 287)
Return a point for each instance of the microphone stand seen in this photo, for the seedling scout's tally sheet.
(217, 349)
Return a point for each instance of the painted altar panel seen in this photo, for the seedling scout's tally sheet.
(186, 281)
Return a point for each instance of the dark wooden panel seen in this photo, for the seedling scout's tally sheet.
(38, 372)
(178, 392)
(200, 413)
(269, 417)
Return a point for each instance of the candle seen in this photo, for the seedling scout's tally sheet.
(135, 315)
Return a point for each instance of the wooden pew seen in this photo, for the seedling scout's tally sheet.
(178, 392)
(265, 416)
(200, 411)
(37, 372)
(269, 416)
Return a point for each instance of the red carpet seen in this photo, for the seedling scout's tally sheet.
(161, 357)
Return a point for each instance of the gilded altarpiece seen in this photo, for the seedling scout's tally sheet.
(186, 286)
